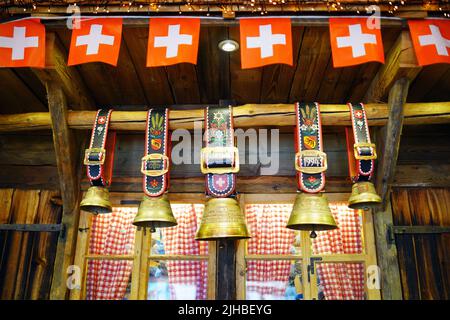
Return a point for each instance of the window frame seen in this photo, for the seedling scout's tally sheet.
(310, 289)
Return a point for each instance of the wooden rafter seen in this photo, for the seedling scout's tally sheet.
(245, 116)
(388, 142)
(69, 177)
(400, 63)
(68, 78)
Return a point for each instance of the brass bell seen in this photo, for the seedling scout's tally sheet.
(364, 196)
(96, 201)
(311, 212)
(222, 218)
(155, 212)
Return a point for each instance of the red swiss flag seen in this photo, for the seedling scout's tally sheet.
(431, 40)
(97, 40)
(355, 41)
(22, 44)
(265, 41)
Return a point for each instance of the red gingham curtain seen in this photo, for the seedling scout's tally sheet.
(111, 234)
(180, 240)
(341, 281)
(267, 224)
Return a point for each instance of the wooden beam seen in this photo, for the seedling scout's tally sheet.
(245, 116)
(400, 63)
(67, 77)
(67, 162)
(388, 142)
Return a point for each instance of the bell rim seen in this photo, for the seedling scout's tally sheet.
(310, 227)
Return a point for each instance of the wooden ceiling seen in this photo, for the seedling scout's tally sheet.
(218, 75)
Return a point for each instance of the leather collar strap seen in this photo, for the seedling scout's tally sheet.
(100, 155)
(219, 158)
(155, 163)
(361, 152)
(310, 160)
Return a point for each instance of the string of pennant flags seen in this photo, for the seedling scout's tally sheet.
(263, 41)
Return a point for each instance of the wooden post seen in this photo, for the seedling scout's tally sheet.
(388, 142)
(69, 180)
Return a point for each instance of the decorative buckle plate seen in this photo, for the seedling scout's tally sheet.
(154, 172)
(222, 150)
(311, 154)
(88, 162)
(365, 145)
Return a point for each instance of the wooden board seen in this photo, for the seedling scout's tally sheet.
(423, 258)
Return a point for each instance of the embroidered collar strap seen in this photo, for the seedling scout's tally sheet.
(155, 163)
(219, 157)
(100, 155)
(361, 152)
(310, 160)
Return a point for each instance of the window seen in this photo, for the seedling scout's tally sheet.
(278, 263)
(120, 261)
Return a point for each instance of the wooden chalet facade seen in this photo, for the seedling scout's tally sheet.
(46, 116)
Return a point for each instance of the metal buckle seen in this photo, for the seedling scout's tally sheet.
(154, 172)
(88, 162)
(365, 145)
(311, 153)
(211, 150)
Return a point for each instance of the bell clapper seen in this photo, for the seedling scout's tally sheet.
(313, 234)
(152, 229)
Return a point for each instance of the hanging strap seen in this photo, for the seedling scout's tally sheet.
(99, 156)
(219, 157)
(155, 163)
(360, 151)
(310, 160)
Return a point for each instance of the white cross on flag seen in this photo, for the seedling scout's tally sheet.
(172, 41)
(355, 41)
(265, 41)
(431, 40)
(97, 40)
(22, 44)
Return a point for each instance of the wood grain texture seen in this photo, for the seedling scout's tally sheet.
(67, 77)
(245, 116)
(423, 258)
(67, 160)
(400, 63)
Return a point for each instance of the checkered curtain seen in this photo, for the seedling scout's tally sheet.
(267, 224)
(341, 281)
(111, 234)
(180, 240)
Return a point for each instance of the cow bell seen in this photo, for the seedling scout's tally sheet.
(155, 212)
(311, 212)
(222, 218)
(364, 196)
(96, 200)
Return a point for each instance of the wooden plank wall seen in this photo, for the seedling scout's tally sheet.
(26, 258)
(424, 259)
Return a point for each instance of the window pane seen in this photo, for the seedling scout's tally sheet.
(267, 224)
(108, 279)
(181, 238)
(177, 280)
(274, 280)
(347, 238)
(113, 233)
(340, 281)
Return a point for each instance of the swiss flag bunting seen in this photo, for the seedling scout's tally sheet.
(172, 41)
(97, 40)
(355, 41)
(265, 41)
(22, 44)
(431, 40)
